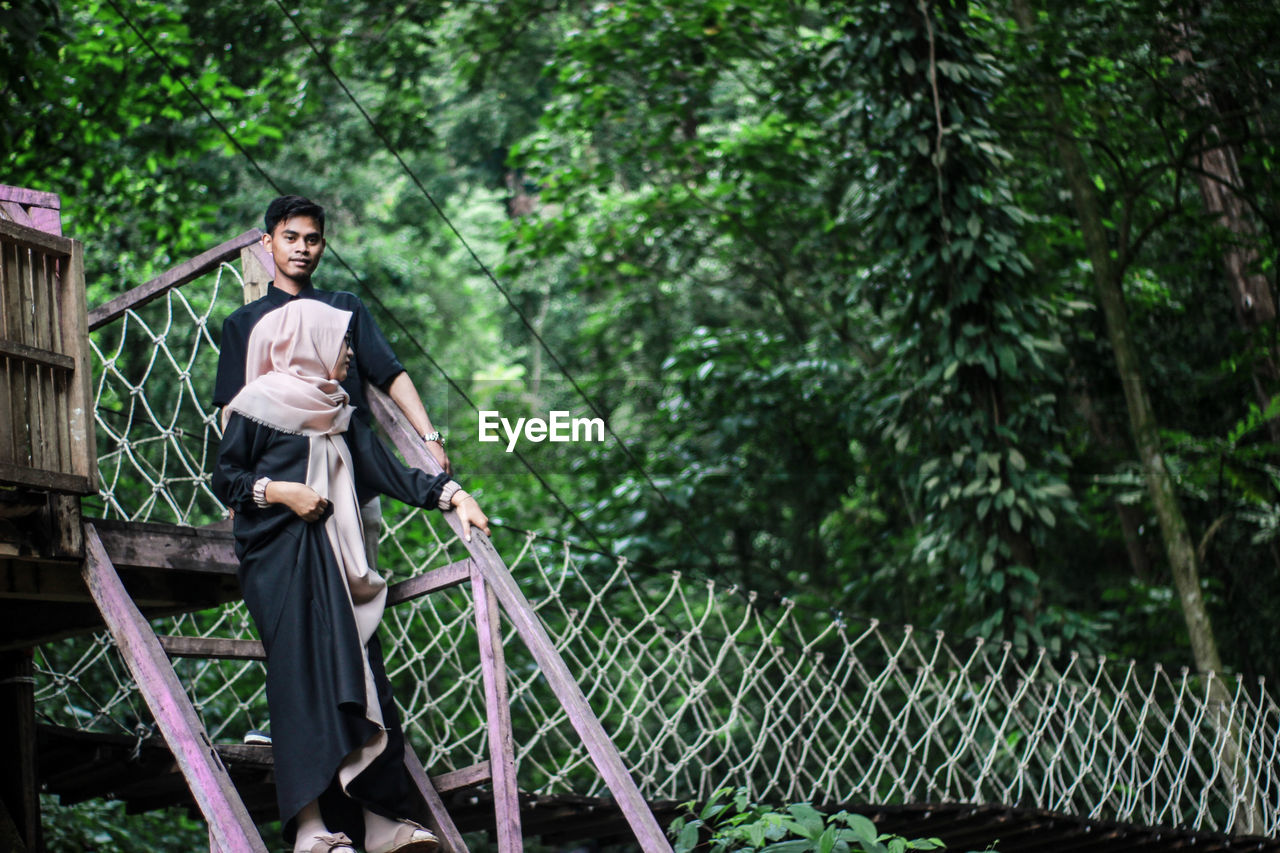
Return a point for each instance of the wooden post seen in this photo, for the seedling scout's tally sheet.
(19, 783)
(230, 826)
(257, 269)
(74, 328)
(438, 819)
(527, 624)
(502, 757)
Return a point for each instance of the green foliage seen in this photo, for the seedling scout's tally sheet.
(104, 827)
(814, 262)
(730, 821)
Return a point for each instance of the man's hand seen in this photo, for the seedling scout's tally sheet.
(299, 497)
(469, 513)
(436, 449)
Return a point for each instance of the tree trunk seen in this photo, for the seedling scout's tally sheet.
(1108, 275)
(1129, 517)
(1219, 181)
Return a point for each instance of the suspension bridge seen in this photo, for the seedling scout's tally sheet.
(698, 685)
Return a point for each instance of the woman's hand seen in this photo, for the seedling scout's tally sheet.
(469, 513)
(299, 497)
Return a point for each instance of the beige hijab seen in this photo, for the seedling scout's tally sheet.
(291, 355)
(292, 351)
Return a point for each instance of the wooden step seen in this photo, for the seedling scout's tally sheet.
(259, 755)
(216, 648)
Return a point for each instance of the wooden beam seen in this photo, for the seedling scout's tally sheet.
(29, 197)
(15, 212)
(75, 339)
(429, 582)
(35, 478)
(34, 238)
(140, 544)
(502, 757)
(19, 785)
(210, 783)
(259, 755)
(463, 777)
(527, 624)
(176, 277)
(213, 648)
(438, 819)
(34, 355)
(257, 270)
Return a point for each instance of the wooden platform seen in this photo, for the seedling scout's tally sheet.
(77, 766)
(167, 570)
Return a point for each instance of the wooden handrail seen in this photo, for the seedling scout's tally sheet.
(176, 277)
(502, 586)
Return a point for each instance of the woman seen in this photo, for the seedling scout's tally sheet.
(290, 459)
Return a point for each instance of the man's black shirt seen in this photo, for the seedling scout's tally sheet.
(373, 362)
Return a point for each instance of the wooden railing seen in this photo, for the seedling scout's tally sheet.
(46, 410)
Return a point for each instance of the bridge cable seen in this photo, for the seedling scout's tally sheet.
(391, 149)
(387, 312)
(337, 255)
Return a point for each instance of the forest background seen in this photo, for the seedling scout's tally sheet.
(953, 314)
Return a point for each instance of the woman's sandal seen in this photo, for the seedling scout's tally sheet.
(336, 843)
(412, 838)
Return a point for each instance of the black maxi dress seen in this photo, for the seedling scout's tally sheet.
(296, 594)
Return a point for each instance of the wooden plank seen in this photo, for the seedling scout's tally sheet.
(210, 783)
(25, 475)
(259, 755)
(7, 453)
(46, 220)
(66, 527)
(530, 629)
(44, 278)
(438, 819)
(502, 756)
(34, 355)
(29, 197)
(257, 270)
(15, 212)
(463, 777)
(429, 582)
(176, 277)
(165, 546)
(214, 648)
(16, 373)
(37, 435)
(75, 336)
(33, 238)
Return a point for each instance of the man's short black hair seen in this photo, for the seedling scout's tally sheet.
(289, 206)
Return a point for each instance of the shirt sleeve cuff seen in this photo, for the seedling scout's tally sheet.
(446, 495)
(260, 491)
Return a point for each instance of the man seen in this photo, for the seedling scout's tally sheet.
(295, 239)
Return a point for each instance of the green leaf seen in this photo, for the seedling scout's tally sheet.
(688, 837)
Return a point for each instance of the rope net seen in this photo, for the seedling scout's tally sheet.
(699, 687)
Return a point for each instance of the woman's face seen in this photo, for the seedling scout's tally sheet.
(343, 363)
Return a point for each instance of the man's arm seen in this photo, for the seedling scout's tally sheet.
(231, 356)
(378, 365)
(405, 394)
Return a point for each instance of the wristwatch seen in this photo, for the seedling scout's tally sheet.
(434, 436)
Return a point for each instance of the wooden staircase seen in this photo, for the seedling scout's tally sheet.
(494, 592)
(47, 460)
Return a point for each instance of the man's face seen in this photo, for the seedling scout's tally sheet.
(295, 245)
